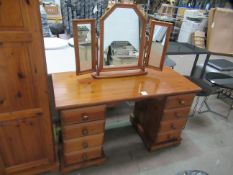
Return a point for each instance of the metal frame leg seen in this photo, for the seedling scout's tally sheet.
(194, 65)
(195, 107)
(205, 64)
(204, 103)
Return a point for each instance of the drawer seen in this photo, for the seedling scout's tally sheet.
(168, 136)
(174, 114)
(83, 129)
(80, 156)
(81, 143)
(172, 125)
(179, 101)
(84, 114)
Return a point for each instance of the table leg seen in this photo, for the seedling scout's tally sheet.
(205, 64)
(194, 65)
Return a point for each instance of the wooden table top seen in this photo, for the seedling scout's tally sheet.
(84, 90)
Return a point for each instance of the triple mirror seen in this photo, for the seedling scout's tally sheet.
(123, 49)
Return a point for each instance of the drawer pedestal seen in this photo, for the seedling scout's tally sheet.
(82, 131)
(160, 121)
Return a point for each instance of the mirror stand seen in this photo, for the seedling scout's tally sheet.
(123, 49)
(117, 74)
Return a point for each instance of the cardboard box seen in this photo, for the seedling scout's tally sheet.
(220, 31)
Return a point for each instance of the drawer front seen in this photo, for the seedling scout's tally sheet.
(179, 101)
(83, 129)
(172, 125)
(82, 156)
(82, 143)
(175, 114)
(80, 115)
(168, 136)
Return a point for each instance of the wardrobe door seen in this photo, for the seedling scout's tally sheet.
(12, 14)
(26, 137)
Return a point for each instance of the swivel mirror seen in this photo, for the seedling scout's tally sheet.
(85, 45)
(157, 45)
(122, 40)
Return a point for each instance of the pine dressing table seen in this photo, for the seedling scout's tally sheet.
(162, 103)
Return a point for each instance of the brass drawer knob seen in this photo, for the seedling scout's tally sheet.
(84, 156)
(178, 115)
(85, 145)
(28, 2)
(181, 102)
(1, 100)
(85, 131)
(173, 126)
(85, 117)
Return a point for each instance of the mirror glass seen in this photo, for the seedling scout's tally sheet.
(157, 45)
(85, 46)
(121, 42)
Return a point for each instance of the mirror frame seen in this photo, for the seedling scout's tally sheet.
(140, 65)
(153, 23)
(92, 22)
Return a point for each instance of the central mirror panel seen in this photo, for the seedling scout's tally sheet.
(121, 38)
(122, 41)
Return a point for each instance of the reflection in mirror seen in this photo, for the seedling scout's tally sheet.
(84, 45)
(121, 38)
(157, 45)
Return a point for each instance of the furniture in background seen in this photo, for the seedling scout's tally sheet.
(213, 66)
(163, 100)
(224, 84)
(194, 20)
(44, 22)
(221, 65)
(169, 62)
(192, 172)
(81, 9)
(26, 133)
(176, 48)
(206, 90)
(53, 12)
(198, 39)
(220, 21)
(52, 43)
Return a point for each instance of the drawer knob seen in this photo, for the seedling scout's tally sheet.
(182, 102)
(178, 115)
(168, 137)
(85, 145)
(28, 2)
(84, 156)
(1, 100)
(85, 117)
(85, 131)
(173, 126)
